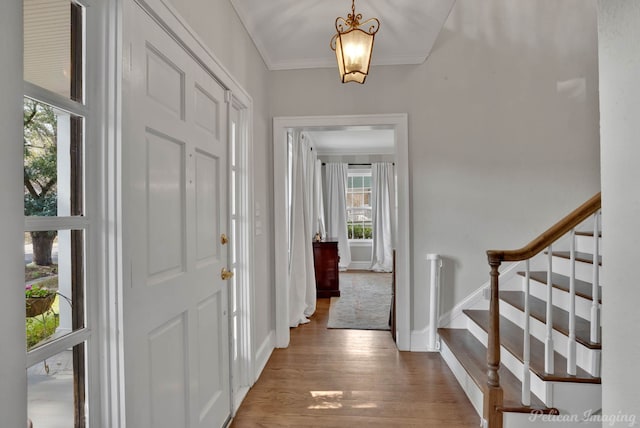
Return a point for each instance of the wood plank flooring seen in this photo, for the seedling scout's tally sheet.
(353, 378)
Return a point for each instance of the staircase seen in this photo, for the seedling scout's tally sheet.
(530, 356)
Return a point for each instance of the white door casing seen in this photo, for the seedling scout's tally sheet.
(176, 338)
(397, 122)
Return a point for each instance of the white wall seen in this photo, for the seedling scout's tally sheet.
(221, 30)
(13, 386)
(619, 21)
(503, 129)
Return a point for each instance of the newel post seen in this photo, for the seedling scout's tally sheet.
(493, 398)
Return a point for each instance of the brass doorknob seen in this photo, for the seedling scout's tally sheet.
(224, 239)
(226, 274)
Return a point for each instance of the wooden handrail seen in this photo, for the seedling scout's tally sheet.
(493, 397)
(548, 237)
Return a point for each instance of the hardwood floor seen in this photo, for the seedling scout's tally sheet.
(353, 378)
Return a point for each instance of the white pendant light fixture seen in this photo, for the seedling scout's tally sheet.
(353, 44)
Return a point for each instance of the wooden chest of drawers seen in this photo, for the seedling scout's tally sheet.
(325, 260)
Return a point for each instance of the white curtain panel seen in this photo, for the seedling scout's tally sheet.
(319, 199)
(336, 209)
(302, 279)
(381, 197)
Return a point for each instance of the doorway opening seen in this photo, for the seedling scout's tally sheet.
(393, 123)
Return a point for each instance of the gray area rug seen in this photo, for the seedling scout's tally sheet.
(364, 302)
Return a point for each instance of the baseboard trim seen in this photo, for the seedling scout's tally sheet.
(264, 352)
(420, 341)
(359, 266)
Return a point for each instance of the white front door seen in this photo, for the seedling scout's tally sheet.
(174, 151)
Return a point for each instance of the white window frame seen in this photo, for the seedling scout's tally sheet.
(359, 172)
(93, 112)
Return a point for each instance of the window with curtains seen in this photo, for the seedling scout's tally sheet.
(359, 204)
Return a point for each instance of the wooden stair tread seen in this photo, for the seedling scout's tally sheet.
(561, 282)
(580, 257)
(538, 310)
(512, 338)
(472, 355)
(587, 233)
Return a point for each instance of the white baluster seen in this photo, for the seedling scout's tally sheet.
(526, 375)
(548, 345)
(595, 289)
(571, 351)
(435, 265)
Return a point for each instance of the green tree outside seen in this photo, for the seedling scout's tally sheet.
(40, 172)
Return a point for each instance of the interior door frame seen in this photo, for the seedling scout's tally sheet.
(113, 413)
(399, 123)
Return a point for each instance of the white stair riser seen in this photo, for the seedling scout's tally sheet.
(473, 391)
(584, 271)
(584, 244)
(560, 298)
(584, 356)
(538, 386)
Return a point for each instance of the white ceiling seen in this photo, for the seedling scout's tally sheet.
(47, 44)
(353, 140)
(293, 34)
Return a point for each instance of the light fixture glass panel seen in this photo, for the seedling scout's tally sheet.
(354, 77)
(339, 57)
(356, 51)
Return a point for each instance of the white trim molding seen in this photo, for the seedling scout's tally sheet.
(264, 353)
(397, 122)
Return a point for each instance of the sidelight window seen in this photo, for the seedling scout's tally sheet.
(56, 223)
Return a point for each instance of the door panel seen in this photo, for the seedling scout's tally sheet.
(176, 338)
(165, 81)
(207, 199)
(168, 375)
(212, 380)
(165, 196)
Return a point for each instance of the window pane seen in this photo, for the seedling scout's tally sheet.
(56, 387)
(54, 285)
(53, 53)
(52, 161)
(359, 206)
(233, 144)
(232, 191)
